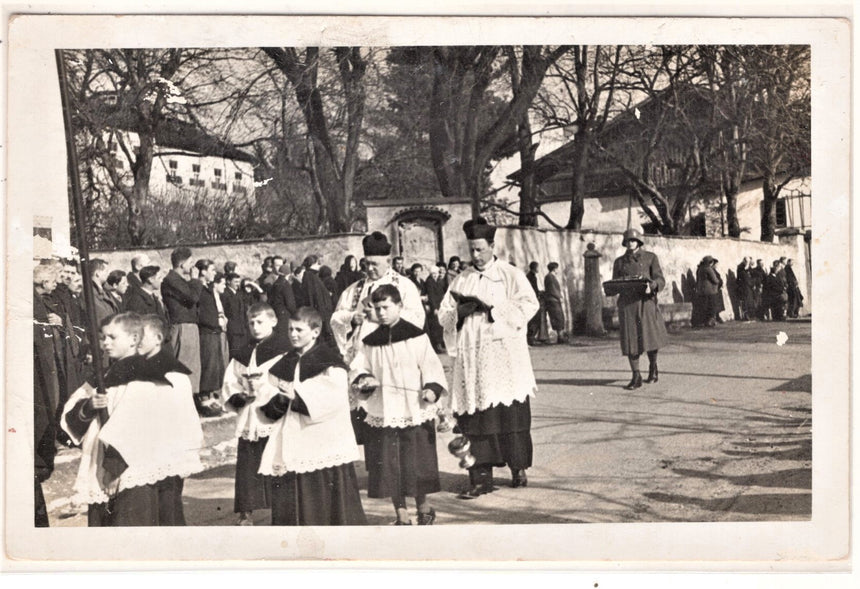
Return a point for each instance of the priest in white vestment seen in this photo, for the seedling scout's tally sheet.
(484, 316)
(354, 317)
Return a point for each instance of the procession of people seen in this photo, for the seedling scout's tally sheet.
(316, 365)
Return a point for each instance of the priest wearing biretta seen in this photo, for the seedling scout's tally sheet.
(484, 316)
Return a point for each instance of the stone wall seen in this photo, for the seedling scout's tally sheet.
(248, 255)
(679, 257)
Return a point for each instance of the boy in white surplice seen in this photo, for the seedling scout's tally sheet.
(246, 389)
(140, 438)
(401, 379)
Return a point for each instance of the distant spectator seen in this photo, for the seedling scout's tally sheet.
(329, 282)
(775, 292)
(282, 298)
(235, 308)
(795, 297)
(229, 268)
(553, 297)
(349, 273)
(116, 286)
(454, 268)
(180, 293)
(397, 265)
(533, 327)
(745, 289)
(138, 262)
(758, 274)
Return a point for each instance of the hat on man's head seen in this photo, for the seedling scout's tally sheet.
(632, 234)
(479, 229)
(376, 244)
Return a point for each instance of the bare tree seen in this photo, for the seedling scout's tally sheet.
(139, 90)
(461, 143)
(332, 166)
(580, 93)
(781, 136)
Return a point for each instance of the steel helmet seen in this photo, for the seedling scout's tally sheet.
(633, 234)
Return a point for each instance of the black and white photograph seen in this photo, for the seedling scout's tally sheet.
(544, 278)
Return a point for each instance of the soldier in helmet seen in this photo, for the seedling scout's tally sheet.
(640, 323)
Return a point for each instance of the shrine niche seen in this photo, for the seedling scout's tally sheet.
(419, 235)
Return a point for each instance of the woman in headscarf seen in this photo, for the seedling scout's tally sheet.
(347, 274)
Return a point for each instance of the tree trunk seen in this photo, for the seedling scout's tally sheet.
(140, 191)
(734, 226)
(768, 207)
(577, 193)
(528, 193)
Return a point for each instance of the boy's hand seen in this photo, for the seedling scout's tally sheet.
(429, 396)
(286, 389)
(54, 319)
(99, 401)
(366, 386)
(358, 318)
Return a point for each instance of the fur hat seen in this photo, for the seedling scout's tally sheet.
(479, 229)
(376, 244)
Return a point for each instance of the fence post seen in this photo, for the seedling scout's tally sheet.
(593, 293)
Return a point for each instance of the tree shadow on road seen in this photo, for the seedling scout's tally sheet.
(794, 504)
(795, 478)
(801, 384)
(578, 382)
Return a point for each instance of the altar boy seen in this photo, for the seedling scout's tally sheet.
(140, 438)
(246, 388)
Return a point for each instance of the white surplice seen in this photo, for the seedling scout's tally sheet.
(492, 364)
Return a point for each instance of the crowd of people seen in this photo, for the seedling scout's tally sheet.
(312, 364)
(761, 294)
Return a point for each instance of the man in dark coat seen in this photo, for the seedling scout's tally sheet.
(533, 327)
(181, 296)
(435, 288)
(641, 325)
(138, 263)
(757, 277)
(553, 297)
(283, 299)
(46, 384)
(317, 296)
(236, 311)
(744, 289)
(775, 292)
(795, 297)
(210, 325)
(144, 299)
(105, 305)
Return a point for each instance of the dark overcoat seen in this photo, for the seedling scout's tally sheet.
(641, 325)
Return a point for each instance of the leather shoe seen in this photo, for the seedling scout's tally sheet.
(476, 491)
(635, 382)
(653, 374)
(427, 519)
(519, 479)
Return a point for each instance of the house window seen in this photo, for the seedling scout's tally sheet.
(238, 176)
(217, 172)
(195, 168)
(173, 165)
(781, 213)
